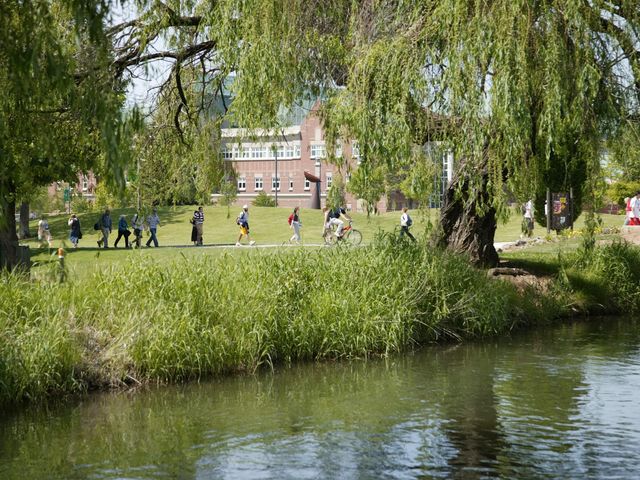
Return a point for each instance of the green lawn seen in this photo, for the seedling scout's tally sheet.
(268, 226)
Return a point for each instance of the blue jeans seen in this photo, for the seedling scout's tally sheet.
(153, 237)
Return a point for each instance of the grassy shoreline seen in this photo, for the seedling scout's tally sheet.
(194, 317)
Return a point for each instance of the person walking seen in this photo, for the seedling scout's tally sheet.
(76, 233)
(243, 222)
(627, 217)
(527, 218)
(105, 227)
(153, 221)
(123, 231)
(405, 224)
(137, 224)
(294, 222)
(194, 230)
(634, 219)
(198, 222)
(44, 235)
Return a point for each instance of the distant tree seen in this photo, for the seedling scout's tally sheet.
(336, 193)
(368, 184)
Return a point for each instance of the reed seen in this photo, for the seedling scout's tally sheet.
(202, 316)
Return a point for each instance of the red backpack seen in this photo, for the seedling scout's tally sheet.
(290, 219)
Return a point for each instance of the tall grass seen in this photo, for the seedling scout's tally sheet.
(202, 316)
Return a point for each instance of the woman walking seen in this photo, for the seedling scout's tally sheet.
(76, 233)
(194, 229)
(294, 222)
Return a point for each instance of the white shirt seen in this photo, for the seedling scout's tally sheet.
(635, 207)
(404, 219)
(528, 209)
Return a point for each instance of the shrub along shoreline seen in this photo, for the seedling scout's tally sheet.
(205, 316)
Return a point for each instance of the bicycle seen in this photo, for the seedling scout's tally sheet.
(350, 236)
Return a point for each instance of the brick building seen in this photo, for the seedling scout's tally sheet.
(300, 148)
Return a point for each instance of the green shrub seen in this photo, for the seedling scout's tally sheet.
(263, 200)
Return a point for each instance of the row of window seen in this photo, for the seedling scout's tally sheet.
(284, 152)
(275, 182)
(261, 152)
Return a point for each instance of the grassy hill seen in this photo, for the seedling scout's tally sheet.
(268, 226)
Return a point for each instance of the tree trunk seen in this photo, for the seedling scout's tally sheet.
(8, 237)
(24, 221)
(463, 230)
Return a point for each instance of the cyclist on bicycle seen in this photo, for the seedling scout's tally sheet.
(332, 217)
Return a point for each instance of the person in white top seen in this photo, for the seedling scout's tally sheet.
(635, 210)
(528, 218)
(153, 221)
(44, 235)
(405, 223)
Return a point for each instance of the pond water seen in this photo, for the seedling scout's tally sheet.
(552, 403)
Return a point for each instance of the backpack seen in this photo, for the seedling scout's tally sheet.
(523, 209)
(96, 226)
(409, 221)
(290, 219)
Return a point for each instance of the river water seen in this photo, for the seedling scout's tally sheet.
(552, 403)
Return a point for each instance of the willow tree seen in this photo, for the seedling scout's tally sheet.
(514, 88)
(60, 105)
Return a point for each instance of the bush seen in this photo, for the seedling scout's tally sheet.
(263, 200)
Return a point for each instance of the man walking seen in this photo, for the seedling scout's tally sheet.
(105, 227)
(405, 224)
(243, 222)
(198, 222)
(153, 221)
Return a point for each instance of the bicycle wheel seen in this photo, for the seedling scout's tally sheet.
(355, 237)
(329, 238)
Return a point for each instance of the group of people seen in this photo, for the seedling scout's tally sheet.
(197, 229)
(105, 226)
(632, 217)
(332, 222)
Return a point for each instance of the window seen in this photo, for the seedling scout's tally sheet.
(85, 183)
(275, 182)
(258, 182)
(290, 183)
(347, 178)
(355, 152)
(286, 151)
(329, 180)
(339, 150)
(242, 183)
(318, 151)
(227, 153)
(307, 184)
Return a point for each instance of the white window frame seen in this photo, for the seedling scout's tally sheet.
(85, 183)
(307, 184)
(291, 183)
(355, 152)
(329, 180)
(318, 150)
(242, 183)
(275, 182)
(228, 153)
(258, 183)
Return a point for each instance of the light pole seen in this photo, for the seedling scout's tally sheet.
(275, 151)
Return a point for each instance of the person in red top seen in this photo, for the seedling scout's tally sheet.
(627, 218)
